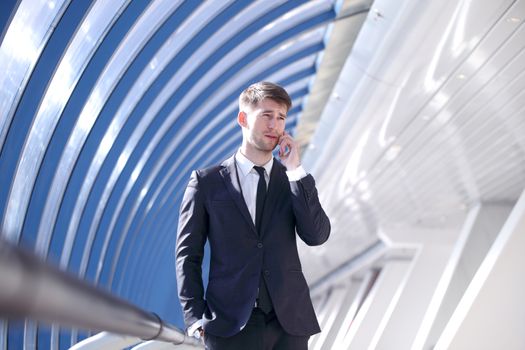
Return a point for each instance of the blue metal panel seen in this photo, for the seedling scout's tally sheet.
(66, 123)
(15, 335)
(98, 131)
(10, 152)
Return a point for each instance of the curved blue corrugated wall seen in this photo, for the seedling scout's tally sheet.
(107, 106)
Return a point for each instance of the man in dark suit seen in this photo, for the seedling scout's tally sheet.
(250, 209)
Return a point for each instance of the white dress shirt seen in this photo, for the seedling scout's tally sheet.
(249, 179)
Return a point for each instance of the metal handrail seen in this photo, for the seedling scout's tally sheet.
(30, 288)
(342, 273)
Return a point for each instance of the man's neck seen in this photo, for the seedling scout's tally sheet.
(257, 157)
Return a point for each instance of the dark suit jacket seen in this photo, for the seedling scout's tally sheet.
(213, 209)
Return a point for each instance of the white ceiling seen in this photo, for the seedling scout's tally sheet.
(425, 121)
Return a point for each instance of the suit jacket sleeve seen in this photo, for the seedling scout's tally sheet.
(312, 224)
(191, 238)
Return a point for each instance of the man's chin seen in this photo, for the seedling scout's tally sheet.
(265, 145)
(267, 148)
(270, 148)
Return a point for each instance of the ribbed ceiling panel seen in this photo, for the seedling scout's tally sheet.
(431, 123)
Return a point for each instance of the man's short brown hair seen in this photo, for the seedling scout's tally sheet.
(257, 92)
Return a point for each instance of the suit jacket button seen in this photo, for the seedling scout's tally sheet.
(259, 245)
(266, 272)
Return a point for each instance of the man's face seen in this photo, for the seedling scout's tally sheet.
(264, 124)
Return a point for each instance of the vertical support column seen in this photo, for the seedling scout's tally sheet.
(341, 307)
(3, 334)
(55, 337)
(362, 288)
(321, 303)
(333, 307)
(30, 329)
(479, 231)
(491, 313)
(346, 313)
(383, 295)
(405, 313)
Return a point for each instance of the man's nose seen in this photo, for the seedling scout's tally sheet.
(271, 123)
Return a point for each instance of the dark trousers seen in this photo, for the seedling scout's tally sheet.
(262, 332)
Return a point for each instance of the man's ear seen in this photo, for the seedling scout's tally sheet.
(242, 119)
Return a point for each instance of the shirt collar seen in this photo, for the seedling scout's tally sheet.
(246, 165)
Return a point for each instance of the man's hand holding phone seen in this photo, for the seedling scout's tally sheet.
(289, 152)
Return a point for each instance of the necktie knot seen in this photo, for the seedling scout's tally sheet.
(259, 170)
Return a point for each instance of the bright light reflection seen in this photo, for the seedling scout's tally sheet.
(383, 140)
(366, 196)
(143, 193)
(476, 60)
(269, 26)
(153, 64)
(431, 82)
(458, 40)
(135, 174)
(149, 206)
(306, 8)
(86, 26)
(350, 174)
(439, 100)
(286, 45)
(456, 29)
(106, 144)
(363, 185)
(20, 33)
(89, 113)
(61, 83)
(86, 29)
(393, 152)
(350, 201)
(122, 160)
(443, 117)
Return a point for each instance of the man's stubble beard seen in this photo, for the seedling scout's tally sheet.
(263, 146)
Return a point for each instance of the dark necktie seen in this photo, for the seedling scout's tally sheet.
(261, 197)
(263, 301)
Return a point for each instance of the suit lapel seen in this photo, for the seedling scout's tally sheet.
(276, 191)
(229, 175)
